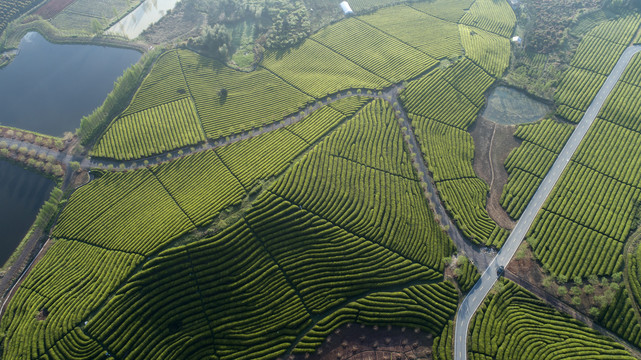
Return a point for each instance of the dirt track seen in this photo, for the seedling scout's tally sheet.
(492, 145)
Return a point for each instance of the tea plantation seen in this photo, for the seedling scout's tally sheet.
(298, 202)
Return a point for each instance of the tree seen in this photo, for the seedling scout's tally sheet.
(75, 166)
(222, 95)
(562, 290)
(215, 41)
(576, 300)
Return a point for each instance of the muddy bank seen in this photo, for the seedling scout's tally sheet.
(492, 144)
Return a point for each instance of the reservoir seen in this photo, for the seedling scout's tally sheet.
(507, 106)
(22, 193)
(49, 87)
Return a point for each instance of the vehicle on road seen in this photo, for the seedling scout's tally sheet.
(500, 271)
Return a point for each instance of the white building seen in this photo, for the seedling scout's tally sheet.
(346, 8)
(517, 40)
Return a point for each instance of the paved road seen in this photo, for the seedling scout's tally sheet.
(480, 290)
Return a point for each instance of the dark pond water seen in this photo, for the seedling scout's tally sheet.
(48, 87)
(22, 193)
(507, 106)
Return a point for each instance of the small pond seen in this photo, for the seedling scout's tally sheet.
(22, 193)
(48, 87)
(146, 14)
(507, 106)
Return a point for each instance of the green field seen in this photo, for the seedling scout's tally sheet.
(592, 213)
(529, 163)
(369, 52)
(92, 16)
(385, 250)
(513, 324)
(587, 72)
(262, 246)
(442, 105)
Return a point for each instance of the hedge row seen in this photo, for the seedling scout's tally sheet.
(152, 131)
(425, 307)
(374, 50)
(495, 16)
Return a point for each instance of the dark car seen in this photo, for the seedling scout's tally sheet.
(500, 271)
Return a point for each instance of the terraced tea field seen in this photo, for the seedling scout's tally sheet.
(215, 238)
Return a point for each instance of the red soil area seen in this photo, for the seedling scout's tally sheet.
(52, 8)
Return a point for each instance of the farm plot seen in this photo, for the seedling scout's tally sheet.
(319, 71)
(411, 26)
(460, 89)
(448, 10)
(83, 15)
(425, 307)
(153, 131)
(41, 319)
(312, 260)
(596, 196)
(488, 50)
(116, 215)
(442, 105)
(230, 101)
(528, 164)
(513, 324)
(494, 16)
(164, 84)
(121, 211)
(11, 9)
(375, 51)
(588, 72)
(620, 316)
(201, 184)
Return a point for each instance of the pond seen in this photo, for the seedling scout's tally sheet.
(22, 193)
(146, 14)
(507, 106)
(49, 87)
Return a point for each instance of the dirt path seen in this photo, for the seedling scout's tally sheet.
(492, 145)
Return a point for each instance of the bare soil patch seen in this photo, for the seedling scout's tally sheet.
(359, 342)
(52, 8)
(177, 25)
(492, 145)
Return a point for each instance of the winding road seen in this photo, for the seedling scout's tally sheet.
(480, 290)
